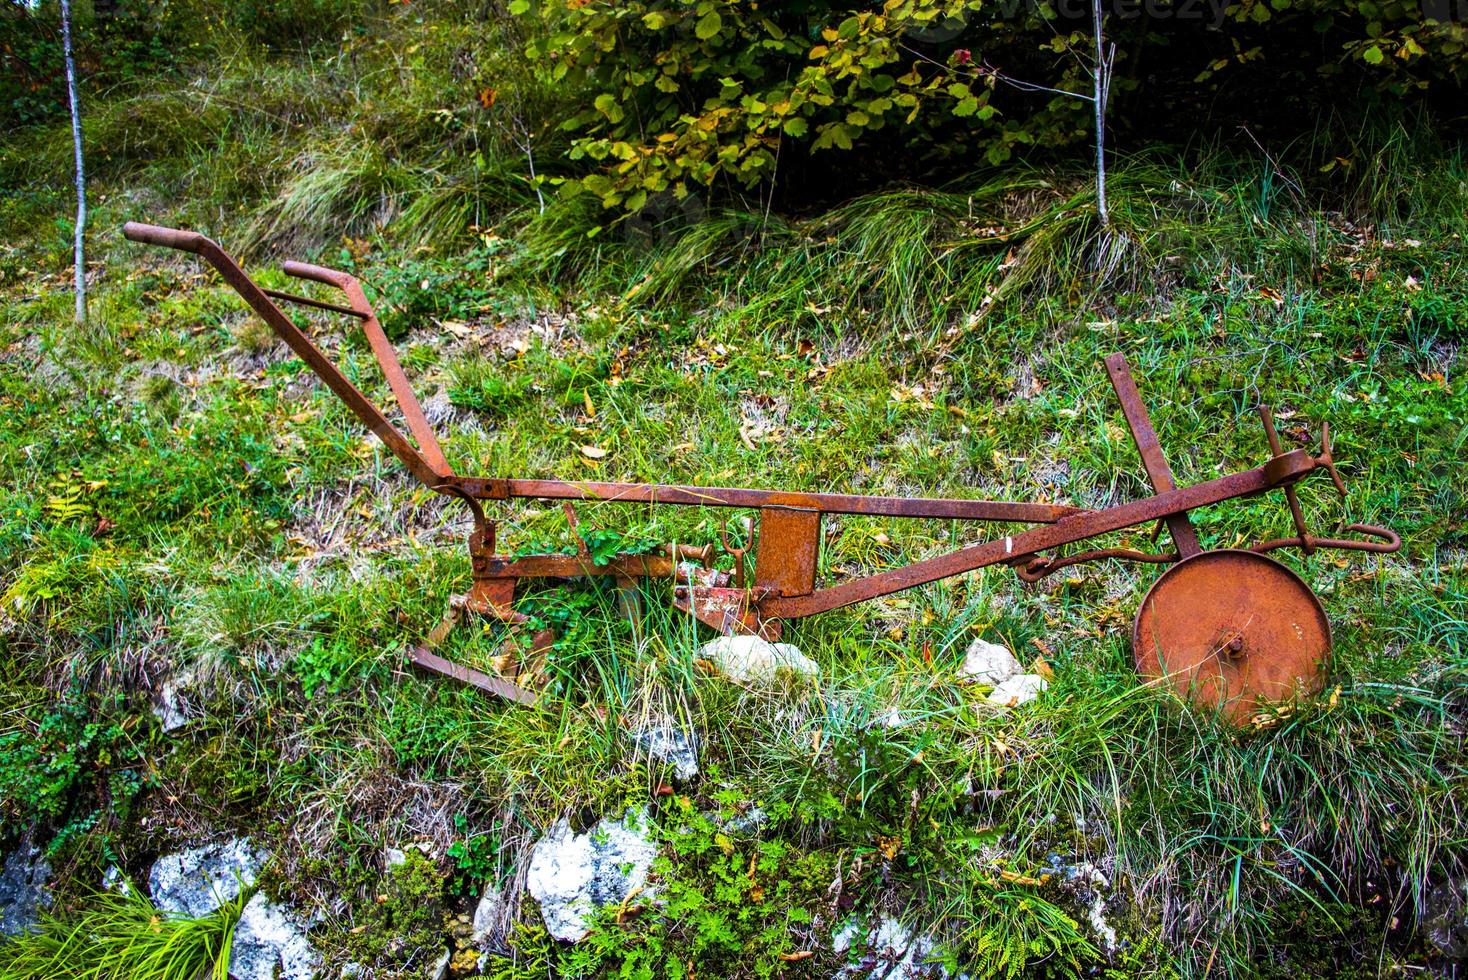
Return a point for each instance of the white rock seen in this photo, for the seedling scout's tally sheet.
(1017, 690)
(440, 969)
(394, 856)
(572, 875)
(988, 663)
(891, 718)
(172, 709)
(1089, 885)
(113, 879)
(195, 882)
(752, 660)
(270, 944)
(748, 822)
(898, 953)
(666, 742)
(486, 917)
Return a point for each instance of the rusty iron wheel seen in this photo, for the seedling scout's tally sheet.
(1230, 630)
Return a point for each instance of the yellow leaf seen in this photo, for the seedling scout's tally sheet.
(593, 452)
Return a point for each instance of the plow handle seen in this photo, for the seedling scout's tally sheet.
(184, 241)
(425, 461)
(315, 273)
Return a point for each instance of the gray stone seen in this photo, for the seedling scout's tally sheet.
(1089, 886)
(887, 950)
(1445, 919)
(890, 719)
(197, 881)
(486, 918)
(988, 663)
(172, 708)
(572, 875)
(1017, 690)
(748, 822)
(23, 890)
(113, 879)
(751, 660)
(440, 968)
(666, 742)
(270, 944)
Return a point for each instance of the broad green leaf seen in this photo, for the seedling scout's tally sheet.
(708, 25)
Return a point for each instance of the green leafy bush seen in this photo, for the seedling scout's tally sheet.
(692, 92)
(726, 908)
(67, 765)
(332, 665)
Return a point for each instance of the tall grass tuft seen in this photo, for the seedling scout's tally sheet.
(122, 935)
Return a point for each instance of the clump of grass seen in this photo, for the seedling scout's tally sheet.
(252, 335)
(478, 383)
(122, 935)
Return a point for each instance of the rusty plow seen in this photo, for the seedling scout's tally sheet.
(1229, 629)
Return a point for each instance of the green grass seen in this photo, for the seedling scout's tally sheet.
(175, 493)
(122, 935)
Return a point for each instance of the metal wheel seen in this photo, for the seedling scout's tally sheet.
(1230, 629)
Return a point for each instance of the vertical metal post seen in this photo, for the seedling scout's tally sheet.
(1178, 525)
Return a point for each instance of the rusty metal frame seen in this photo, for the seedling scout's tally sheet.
(783, 583)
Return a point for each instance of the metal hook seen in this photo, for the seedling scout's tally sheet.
(738, 553)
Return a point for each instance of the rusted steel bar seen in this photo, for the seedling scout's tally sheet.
(1292, 466)
(576, 566)
(826, 503)
(1389, 543)
(387, 357)
(426, 659)
(1036, 567)
(1296, 513)
(316, 303)
(1184, 538)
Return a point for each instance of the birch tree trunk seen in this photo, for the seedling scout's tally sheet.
(81, 178)
(1099, 96)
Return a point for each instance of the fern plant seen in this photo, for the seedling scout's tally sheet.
(1024, 929)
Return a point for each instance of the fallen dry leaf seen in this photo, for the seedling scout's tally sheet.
(593, 452)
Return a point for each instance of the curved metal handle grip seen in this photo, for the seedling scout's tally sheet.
(184, 241)
(316, 273)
